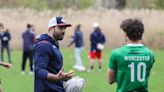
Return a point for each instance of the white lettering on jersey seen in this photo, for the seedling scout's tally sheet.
(137, 58)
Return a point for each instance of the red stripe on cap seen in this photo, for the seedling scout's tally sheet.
(66, 25)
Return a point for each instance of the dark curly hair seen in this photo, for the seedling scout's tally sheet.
(29, 25)
(133, 28)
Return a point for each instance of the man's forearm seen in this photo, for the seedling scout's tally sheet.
(53, 77)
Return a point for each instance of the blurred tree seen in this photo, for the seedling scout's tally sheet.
(82, 4)
(160, 4)
(120, 4)
(147, 4)
(105, 4)
(9, 3)
(71, 4)
(54, 4)
(97, 3)
(133, 4)
(36, 4)
(109, 4)
(137, 4)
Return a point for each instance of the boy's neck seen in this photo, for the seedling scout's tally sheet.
(133, 42)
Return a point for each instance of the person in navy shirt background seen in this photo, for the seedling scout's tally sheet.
(6, 65)
(96, 37)
(5, 39)
(48, 61)
(79, 46)
(28, 45)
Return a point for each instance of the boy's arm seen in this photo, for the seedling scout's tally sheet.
(7, 65)
(112, 69)
(111, 76)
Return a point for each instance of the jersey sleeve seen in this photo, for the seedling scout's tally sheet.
(112, 61)
(152, 58)
(41, 58)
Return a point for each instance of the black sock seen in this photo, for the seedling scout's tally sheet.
(91, 67)
(100, 67)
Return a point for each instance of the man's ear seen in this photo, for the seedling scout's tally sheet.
(50, 29)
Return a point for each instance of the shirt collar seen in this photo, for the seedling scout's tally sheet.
(136, 44)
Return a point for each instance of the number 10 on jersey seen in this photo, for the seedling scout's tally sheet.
(141, 71)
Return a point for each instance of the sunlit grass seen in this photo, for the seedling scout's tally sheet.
(13, 81)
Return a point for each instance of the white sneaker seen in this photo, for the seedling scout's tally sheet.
(75, 67)
(31, 73)
(22, 73)
(81, 68)
(90, 70)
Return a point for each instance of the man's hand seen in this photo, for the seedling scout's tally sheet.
(61, 75)
(64, 76)
(6, 65)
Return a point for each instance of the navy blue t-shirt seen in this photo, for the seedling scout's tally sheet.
(96, 37)
(28, 40)
(5, 38)
(78, 38)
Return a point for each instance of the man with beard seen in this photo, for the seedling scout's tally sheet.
(48, 61)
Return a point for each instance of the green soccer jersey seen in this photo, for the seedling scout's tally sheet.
(132, 64)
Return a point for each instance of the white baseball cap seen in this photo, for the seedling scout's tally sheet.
(58, 21)
(95, 24)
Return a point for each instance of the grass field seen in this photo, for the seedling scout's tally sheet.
(13, 81)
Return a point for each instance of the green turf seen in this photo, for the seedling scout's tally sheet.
(13, 81)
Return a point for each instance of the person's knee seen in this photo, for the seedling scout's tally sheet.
(92, 60)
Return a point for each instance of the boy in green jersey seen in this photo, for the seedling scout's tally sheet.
(130, 64)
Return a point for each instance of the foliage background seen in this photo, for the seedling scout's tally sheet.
(82, 4)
